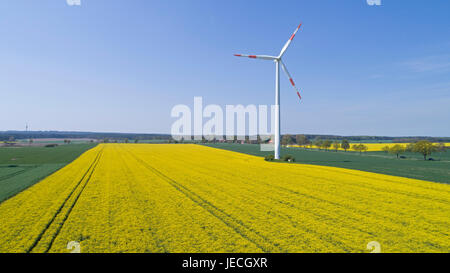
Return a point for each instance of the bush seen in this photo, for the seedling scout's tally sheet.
(51, 145)
(288, 158)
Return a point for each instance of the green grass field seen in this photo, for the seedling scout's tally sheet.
(378, 162)
(59, 141)
(21, 167)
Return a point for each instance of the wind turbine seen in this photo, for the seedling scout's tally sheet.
(277, 61)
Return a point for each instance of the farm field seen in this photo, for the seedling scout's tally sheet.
(378, 162)
(55, 141)
(193, 198)
(21, 167)
(373, 147)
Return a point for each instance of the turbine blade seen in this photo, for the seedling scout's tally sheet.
(289, 41)
(264, 57)
(290, 79)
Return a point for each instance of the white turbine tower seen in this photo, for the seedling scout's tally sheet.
(277, 61)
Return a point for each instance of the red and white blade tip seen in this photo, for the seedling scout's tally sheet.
(249, 56)
(295, 32)
(293, 84)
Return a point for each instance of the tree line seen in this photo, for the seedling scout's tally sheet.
(423, 147)
(322, 144)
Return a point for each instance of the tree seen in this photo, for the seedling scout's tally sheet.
(360, 148)
(345, 145)
(302, 140)
(287, 140)
(327, 144)
(409, 147)
(30, 141)
(318, 143)
(386, 149)
(397, 149)
(136, 140)
(440, 147)
(364, 148)
(425, 148)
(336, 145)
(126, 140)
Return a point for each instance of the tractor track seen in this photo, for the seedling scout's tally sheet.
(79, 185)
(158, 241)
(16, 173)
(238, 226)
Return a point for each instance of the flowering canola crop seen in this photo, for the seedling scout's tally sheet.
(372, 147)
(191, 198)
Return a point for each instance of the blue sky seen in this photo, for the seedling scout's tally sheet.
(120, 66)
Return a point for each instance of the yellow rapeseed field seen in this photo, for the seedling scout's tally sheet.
(372, 147)
(191, 198)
